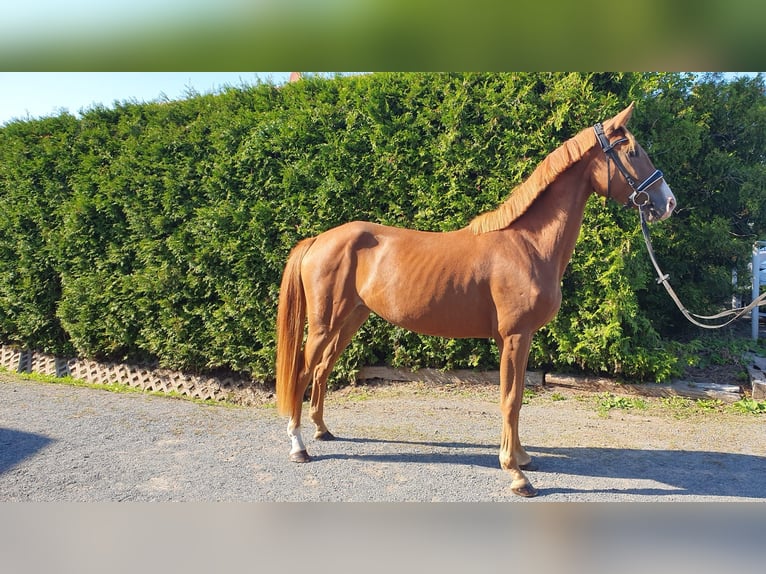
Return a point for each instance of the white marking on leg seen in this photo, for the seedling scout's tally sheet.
(296, 439)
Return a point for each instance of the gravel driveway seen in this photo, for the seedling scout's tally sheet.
(412, 442)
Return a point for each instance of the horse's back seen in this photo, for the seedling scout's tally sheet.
(425, 281)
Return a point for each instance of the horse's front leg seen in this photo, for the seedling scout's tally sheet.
(514, 351)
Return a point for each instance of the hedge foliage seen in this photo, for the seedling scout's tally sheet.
(159, 230)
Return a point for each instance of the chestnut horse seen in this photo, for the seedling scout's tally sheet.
(499, 277)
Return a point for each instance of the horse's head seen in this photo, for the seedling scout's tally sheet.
(624, 171)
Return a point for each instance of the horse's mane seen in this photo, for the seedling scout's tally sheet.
(525, 193)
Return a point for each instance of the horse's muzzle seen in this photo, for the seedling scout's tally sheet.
(661, 204)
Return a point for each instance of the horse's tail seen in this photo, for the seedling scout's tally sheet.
(291, 320)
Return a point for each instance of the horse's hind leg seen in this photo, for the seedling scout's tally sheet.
(298, 451)
(318, 340)
(332, 351)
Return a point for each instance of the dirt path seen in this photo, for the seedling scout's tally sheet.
(403, 442)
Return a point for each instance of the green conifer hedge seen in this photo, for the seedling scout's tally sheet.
(158, 231)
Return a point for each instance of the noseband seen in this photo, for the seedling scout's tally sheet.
(662, 277)
(638, 190)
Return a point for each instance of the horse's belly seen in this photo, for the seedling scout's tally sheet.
(447, 317)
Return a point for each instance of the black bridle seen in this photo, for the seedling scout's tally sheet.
(608, 148)
(663, 278)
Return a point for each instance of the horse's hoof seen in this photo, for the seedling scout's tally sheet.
(529, 466)
(326, 435)
(527, 491)
(300, 456)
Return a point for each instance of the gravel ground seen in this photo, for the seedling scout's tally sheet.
(412, 442)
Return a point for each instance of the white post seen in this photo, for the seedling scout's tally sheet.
(756, 286)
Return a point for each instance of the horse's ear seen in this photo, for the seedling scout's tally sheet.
(621, 119)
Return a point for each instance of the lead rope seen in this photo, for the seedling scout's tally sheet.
(663, 279)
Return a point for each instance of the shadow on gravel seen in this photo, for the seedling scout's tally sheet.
(699, 473)
(473, 458)
(15, 446)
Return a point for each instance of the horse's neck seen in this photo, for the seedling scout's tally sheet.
(552, 224)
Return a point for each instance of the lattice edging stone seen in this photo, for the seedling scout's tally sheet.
(250, 392)
(145, 377)
(10, 358)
